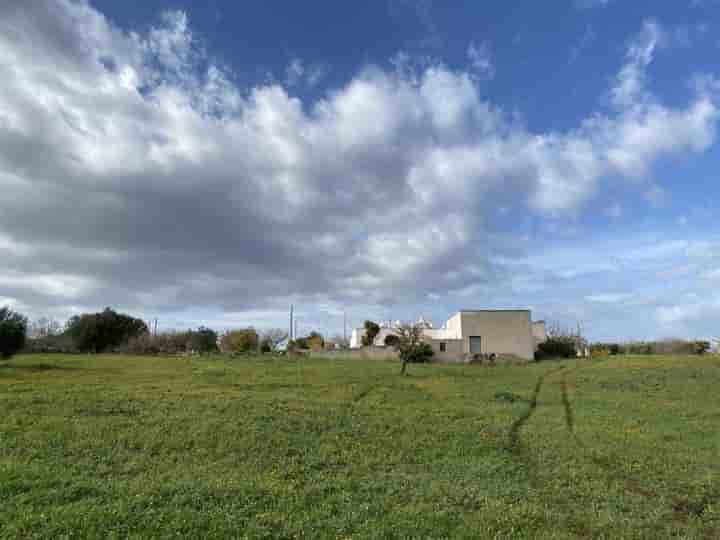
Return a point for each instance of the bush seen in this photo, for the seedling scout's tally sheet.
(146, 345)
(13, 329)
(556, 348)
(240, 341)
(50, 344)
(419, 354)
(171, 343)
(315, 342)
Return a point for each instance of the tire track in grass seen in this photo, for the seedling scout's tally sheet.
(567, 406)
(364, 392)
(519, 423)
(682, 507)
(600, 461)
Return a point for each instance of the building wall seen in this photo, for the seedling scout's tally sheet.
(502, 332)
(441, 333)
(453, 350)
(359, 333)
(356, 338)
(454, 324)
(539, 333)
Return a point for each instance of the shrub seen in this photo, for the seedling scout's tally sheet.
(701, 347)
(240, 341)
(315, 341)
(557, 347)
(420, 354)
(13, 329)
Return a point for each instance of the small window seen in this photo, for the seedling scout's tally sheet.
(442, 346)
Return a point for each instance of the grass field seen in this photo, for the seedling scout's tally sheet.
(119, 446)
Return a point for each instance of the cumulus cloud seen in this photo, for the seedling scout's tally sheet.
(135, 172)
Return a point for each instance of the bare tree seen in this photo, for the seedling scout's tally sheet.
(559, 333)
(45, 327)
(341, 341)
(273, 337)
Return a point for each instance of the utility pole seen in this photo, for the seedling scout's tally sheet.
(292, 336)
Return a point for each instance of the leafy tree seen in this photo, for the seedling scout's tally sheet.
(371, 331)
(96, 332)
(410, 346)
(701, 347)
(391, 340)
(203, 340)
(13, 329)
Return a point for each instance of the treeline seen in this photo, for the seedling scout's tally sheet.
(665, 346)
(109, 331)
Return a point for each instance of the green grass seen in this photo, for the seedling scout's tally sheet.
(120, 446)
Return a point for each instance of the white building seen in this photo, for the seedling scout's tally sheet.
(500, 332)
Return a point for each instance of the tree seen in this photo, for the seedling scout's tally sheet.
(13, 329)
(391, 340)
(371, 331)
(203, 340)
(240, 341)
(410, 346)
(96, 332)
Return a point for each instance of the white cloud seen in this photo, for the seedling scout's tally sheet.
(630, 88)
(199, 193)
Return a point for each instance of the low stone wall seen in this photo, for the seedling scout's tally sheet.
(389, 354)
(365, 353)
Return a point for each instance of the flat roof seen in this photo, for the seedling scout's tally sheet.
(490, 310)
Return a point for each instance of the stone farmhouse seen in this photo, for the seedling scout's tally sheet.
(503, 332)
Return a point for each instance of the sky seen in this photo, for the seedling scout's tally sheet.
(212, 162)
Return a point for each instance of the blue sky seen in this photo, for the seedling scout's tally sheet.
(212, 162)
